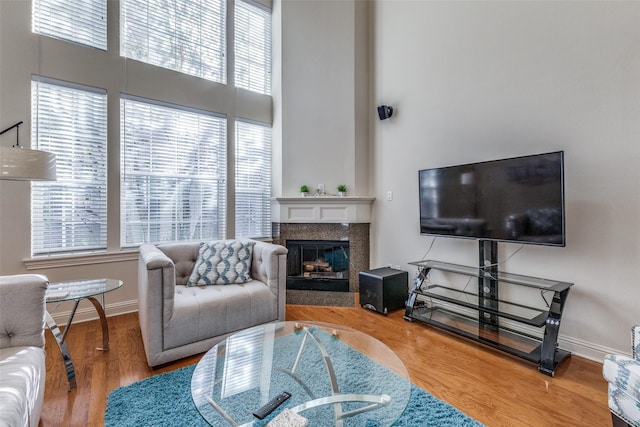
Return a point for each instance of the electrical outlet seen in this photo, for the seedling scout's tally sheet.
(389, 195)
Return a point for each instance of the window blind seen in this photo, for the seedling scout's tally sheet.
(181, 35)
(70, 214)
(81, 21)
(173, 173)
(252, 47)
(253, 180)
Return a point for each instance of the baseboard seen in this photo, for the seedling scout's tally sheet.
(86, 311)
(585, 349)
(324, 298)
(578, 347)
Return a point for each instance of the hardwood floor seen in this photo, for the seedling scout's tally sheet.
(494, 388)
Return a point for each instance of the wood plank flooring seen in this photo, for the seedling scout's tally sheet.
(490, 386)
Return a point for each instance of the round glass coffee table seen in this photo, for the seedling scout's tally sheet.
(336, 376)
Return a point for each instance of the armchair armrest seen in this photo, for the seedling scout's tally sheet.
(156, 279)
(269, 265)
(22, 310)
(156, 289)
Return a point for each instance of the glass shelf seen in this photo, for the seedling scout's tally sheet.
(516, 279)
(515, 343)
(506, 309)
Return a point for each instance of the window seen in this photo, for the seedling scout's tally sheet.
(83, 22)
(253, 47)
(70, 214)
(253, 180)
(181, 35)
(173, 160)
(173, 173)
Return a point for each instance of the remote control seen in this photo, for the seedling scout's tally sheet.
(271, 405)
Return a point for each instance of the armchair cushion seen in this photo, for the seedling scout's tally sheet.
(22, 378)
(221, 263)
(22, 358)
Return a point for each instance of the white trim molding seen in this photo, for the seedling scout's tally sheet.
(321, 209)
(88, 312)
(79, 259)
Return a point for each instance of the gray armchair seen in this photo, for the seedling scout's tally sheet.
(177, 321)
(22, 359)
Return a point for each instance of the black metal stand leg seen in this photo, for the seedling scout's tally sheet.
(548, 349)
(411, 301)
(488, 284)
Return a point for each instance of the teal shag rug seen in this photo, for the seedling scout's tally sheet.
(165, 400)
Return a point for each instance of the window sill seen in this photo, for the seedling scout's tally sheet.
(79, 259)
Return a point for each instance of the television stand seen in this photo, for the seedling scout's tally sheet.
(524, 321)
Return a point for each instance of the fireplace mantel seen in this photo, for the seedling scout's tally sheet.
(321, 209)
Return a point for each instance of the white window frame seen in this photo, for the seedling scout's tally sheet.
(253, 179)
(252, 46)
(182, 170)
(227, 102)
(81, 22)
(151, 32)
(69, 215)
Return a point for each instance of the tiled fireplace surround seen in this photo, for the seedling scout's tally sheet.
(325, 218)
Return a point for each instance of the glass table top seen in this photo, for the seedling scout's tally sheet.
(337, 376)
(78, 289)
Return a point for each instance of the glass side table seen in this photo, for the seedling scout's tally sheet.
(77, 290)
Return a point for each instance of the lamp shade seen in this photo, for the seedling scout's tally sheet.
(23, 164)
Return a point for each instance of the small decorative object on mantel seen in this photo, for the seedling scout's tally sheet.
(304, 191)
(342, 190)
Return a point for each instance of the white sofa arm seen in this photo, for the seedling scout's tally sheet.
(156, 288)
(22, 309)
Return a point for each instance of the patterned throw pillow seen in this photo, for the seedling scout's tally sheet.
(222, 263)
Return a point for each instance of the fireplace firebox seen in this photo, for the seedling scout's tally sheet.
(318, 265)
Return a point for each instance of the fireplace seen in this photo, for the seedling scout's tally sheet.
(318, 265)
(328, 242)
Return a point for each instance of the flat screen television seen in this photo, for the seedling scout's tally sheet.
(519, 199)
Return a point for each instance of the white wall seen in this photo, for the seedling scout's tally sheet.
(475, 81)
(324, 84)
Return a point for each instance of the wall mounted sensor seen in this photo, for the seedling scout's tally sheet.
(385, 111)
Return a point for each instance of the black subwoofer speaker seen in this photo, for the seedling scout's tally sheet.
(383, 289)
